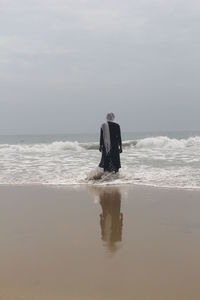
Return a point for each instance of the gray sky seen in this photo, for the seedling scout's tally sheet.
(65, 63)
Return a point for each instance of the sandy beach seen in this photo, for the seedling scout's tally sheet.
(105, 243)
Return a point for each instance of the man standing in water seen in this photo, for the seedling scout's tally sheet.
(110, 145)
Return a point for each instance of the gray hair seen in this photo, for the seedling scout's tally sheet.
(110, 117)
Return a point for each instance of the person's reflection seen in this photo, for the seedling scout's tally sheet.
(111, 219)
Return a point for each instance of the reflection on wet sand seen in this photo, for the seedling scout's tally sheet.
(111, 219)
(54, 244)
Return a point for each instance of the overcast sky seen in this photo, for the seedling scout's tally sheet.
(65, 63)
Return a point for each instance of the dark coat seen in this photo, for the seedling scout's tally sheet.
(111, 161)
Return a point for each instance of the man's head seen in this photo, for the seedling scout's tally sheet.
(110, 117)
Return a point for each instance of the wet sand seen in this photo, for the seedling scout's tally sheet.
(132, 242)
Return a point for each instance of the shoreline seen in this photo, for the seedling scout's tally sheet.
(85, 185)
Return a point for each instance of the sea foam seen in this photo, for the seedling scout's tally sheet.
(157, 161)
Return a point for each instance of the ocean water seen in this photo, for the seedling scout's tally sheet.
(161, 159)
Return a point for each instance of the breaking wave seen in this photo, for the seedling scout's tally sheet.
(157, 161)
(150, 142)
(163, 141)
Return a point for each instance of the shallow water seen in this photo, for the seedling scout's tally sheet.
(171, 160)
